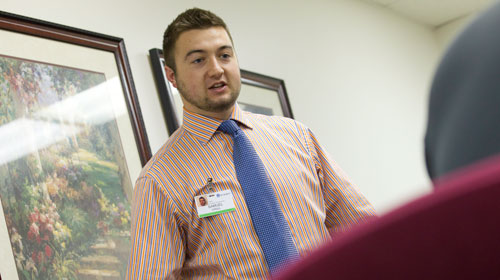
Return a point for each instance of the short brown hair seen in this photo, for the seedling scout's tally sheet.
(194, 18)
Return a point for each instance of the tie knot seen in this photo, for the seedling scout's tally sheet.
(229, 127)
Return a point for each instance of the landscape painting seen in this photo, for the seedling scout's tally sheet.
(64, 183)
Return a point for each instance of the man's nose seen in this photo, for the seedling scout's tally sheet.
(215, 69)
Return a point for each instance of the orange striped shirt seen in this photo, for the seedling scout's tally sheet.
(169, 241)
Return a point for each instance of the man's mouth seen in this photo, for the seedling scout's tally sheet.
(217, 85)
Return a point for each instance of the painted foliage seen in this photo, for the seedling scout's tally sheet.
(64, 183)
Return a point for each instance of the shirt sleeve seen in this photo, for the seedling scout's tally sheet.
(158, 249)
(345, 205)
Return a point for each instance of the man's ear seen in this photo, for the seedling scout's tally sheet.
(170, 75)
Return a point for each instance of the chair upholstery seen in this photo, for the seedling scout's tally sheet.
(453, 233)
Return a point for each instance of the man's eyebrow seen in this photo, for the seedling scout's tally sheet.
(193, 52)
(202, 51)
(226, 47)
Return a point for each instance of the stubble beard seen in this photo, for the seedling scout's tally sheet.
(206, 104)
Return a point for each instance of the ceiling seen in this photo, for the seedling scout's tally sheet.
(433, 12)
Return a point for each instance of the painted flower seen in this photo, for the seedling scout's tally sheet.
(102, 226)
(46, 237)
(49, 228)
(16, 237)
(114, 211)
(34, 216)
(48, 251)
(121, 207)
(52, 188)
(43, 218)
(33, 231)
(41, 258)
(34, 256)
(30, 265)
(117, 221)
(19, 262)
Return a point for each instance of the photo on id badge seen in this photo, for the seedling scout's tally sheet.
(214, 203)
(202, 201)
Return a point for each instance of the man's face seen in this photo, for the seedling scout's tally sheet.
(203, 202)
(207, 74)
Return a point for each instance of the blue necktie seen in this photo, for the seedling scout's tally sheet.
(268, 220)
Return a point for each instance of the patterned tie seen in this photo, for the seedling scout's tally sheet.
(268, 220)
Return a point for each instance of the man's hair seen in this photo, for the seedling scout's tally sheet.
(194, 18)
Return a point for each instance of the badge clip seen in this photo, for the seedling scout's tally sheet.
(210, 185)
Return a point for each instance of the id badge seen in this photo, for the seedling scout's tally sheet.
(214, 203)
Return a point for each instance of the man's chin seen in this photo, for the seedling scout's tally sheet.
(222, 105)
(219, 108)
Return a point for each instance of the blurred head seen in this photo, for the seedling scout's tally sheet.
(464, 111)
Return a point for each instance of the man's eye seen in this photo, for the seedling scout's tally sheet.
(198, 60)
(225, 56)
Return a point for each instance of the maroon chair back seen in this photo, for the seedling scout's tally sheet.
(453, 233)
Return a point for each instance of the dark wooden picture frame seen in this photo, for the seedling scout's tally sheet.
(115, 45)
(76, 183)
(171, 107)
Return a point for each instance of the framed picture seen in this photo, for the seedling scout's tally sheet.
(71, 140)
(259, 94)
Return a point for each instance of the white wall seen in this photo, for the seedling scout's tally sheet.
(446, 33)
(356, 74)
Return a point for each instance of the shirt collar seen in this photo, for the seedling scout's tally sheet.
(203, 127)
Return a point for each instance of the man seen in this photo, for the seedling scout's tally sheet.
(170, 239)
(202, 200)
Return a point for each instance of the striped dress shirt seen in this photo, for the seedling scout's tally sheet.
(170, 241)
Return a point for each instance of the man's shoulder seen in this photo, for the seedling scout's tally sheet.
(165, 154)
